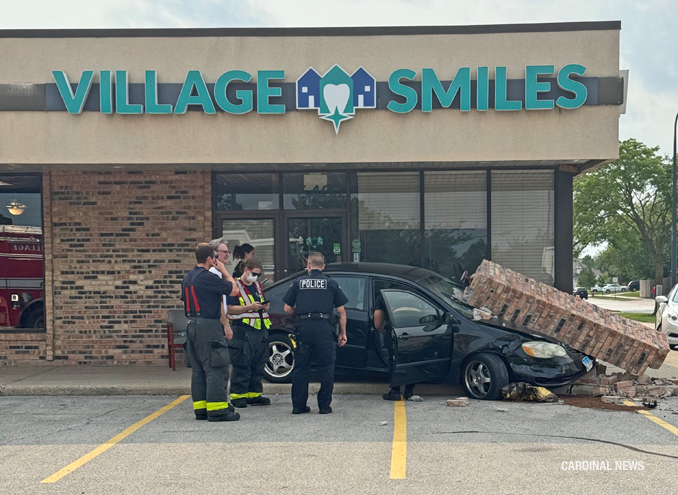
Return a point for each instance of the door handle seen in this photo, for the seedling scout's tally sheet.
(404, 336)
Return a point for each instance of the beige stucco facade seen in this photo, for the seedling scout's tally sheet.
(373, 136)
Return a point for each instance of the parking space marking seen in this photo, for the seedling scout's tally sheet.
(110, 443)
(399, 449)
(655, 419)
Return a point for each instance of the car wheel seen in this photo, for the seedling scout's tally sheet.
(35, 319)
(673, 347)
(280, 363)
(607, 291)
(484, 376)
(623, 290)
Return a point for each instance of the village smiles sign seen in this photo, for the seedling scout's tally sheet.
(335, 95)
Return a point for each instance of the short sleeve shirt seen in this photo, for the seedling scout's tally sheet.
(218, 274)
(251, 290)
(209, 290)
(315, 293)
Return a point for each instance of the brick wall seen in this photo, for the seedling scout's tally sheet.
(117, 245)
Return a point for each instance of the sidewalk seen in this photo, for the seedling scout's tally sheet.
(128, 380)
(624, 305)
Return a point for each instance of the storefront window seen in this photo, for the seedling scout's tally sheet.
(523, 222)
(455, 215)
(260, 234)
(21, 253)
(388, 206)
(315, 190)
(247, 192)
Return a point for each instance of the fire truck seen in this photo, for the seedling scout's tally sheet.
(21, 277)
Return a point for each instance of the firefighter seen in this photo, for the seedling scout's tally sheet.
(312, 298)
(220, 247)
(249, 346)
(201, 292)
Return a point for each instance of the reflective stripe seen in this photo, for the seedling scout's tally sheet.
(201, 404)
(253, 395)
(238, 396)
(217, 406)
(246, 317)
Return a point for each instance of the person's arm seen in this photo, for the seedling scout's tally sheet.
(341, 340)
(228, 331)
(288, 309)
(379, 320)
(290, 299)
(250, 308)
(226, 277)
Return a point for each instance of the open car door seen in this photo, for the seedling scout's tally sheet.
(423, 338)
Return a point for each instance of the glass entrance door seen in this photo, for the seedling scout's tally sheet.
(260, 234)
(308, 234)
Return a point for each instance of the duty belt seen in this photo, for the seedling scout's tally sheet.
(314, 316)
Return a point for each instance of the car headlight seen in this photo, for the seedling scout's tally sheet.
(544, 350)
(672, 316)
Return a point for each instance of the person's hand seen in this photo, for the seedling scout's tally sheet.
(218, 264)
(342, 339)
(255, 306)
(228, 332)
(267, 306)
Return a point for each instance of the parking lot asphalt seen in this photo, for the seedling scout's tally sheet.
(499, 447)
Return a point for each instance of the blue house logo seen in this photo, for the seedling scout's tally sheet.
(335, 94)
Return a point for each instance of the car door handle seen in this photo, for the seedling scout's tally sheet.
(404, 336)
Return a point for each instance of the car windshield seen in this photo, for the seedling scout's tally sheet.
(444, 288)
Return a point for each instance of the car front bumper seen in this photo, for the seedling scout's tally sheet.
(552, 372)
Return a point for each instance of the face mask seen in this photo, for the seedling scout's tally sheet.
(251, 277)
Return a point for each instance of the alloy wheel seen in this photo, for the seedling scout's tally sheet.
(477, 378)
(280, 360)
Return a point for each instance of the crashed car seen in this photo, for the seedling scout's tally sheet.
(438, 338)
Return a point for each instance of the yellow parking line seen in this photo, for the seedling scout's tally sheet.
(110, 443)
(399, 449)
(655, 419)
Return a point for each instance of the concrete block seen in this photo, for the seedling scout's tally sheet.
(458, 402)
(624, 384)
(610, 399)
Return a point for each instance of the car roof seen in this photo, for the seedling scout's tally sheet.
(412, 273)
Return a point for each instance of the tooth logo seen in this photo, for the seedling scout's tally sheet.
(336, 95)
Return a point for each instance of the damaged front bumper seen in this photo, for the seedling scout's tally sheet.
(552, 372)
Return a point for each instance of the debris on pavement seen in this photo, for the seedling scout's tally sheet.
(526, 303)
(526, 392)
(383, 423)
(416, 398)
(502, 410)
(458, 402)
(598, 383)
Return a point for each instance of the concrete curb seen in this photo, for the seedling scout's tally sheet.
(269, 389)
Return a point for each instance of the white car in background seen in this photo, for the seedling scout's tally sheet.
(613, 288)
(666, 319)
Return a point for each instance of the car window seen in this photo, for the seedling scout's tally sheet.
(275, 295)
(407, 309)
(354, 288)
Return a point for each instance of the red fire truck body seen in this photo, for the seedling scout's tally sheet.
(21, 277)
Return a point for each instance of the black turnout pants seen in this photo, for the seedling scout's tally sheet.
(316, 343)
(249, 353)
(208, 352)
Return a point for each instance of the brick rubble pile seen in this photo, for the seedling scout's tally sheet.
(542, 309)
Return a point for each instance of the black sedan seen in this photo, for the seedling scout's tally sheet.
(437, 336)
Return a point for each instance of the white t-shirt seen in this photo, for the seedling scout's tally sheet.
(217, 272)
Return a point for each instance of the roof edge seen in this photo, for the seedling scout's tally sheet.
(311, 31)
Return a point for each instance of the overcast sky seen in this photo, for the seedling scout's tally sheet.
(648, 38)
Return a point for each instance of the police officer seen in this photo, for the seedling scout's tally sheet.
(201, 292)
(249, 347)
(312, 297)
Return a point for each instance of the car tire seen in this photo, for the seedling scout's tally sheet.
(607, 291)
(623, 290)
(673, 347)
(35, 319)
(484, 375)
(280, 362)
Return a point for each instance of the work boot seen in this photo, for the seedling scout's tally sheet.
(325, 410)
(301, 410)
(227, 414)
(200, 414)
(409, 392)
(239, 403)
(259, 401)
(393, 394)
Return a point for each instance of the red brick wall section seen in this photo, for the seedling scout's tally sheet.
(120, 245)
(583, 326)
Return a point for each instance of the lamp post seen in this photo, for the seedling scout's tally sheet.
(674, 250)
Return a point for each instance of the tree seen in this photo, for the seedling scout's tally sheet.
(586, 278)
(627, 203)
(603, 279)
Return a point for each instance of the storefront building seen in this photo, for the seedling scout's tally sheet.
(428, 146)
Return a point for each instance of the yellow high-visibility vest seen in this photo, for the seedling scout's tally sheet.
(252, 319)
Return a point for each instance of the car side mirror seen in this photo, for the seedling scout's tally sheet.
(450, 319)
(426, 320)
(661, 299)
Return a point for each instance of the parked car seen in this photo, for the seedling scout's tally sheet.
(666, 316)
(634, 285)
(614, 288)
(581, 292)
(437, 337)
(596, 288)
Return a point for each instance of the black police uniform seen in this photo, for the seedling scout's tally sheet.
(201, 292)
(314, 296)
